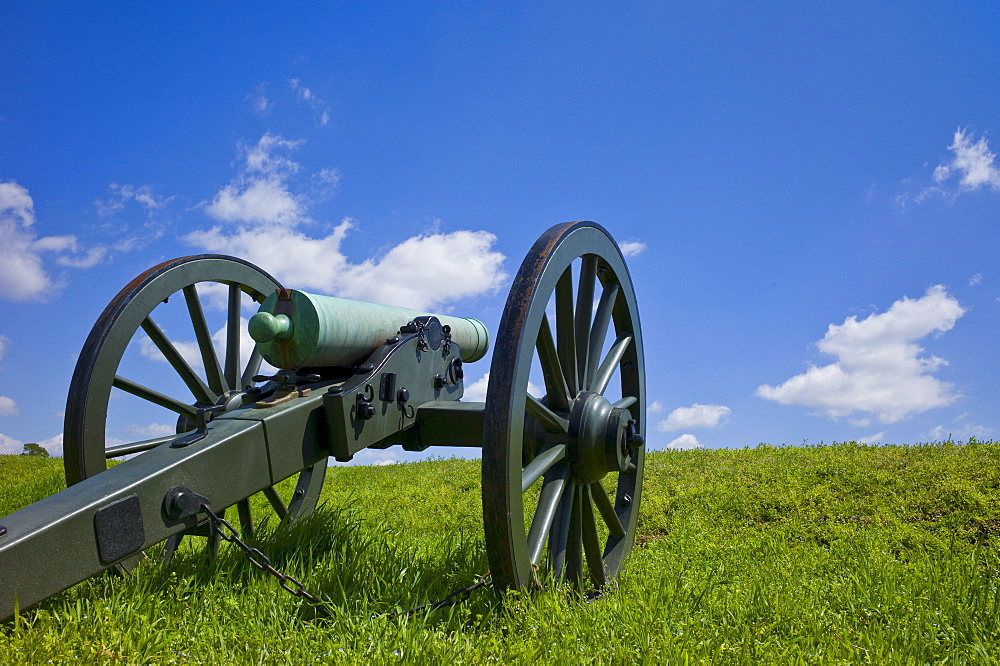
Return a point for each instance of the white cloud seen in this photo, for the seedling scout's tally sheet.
(427, 272)
(976, 279)
(872, 439)
(320, 108)
(11, 446)
(191, 353)
(476, 391)
(4, 345)
(8, 407)
(122, 195)
(376, 457)
(655, 407)
(88, 259)
(424, 272)
(974, 163)
(258, 98)
(685, 442)
(695, 416)
(54, 445)
(260, 193)
(151, 430)
(187, 349)
(631, 248)
(879, 368)
(960, 431)
(23, 276)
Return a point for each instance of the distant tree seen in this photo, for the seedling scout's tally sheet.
(34, 450)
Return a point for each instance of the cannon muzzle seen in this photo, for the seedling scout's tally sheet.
(295, 329)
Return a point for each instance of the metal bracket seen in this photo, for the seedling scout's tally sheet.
(201, 419)
(430, 333)
(180, 503)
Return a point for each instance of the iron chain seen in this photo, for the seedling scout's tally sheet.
(295, 587)
(456, 597)
(261, 561)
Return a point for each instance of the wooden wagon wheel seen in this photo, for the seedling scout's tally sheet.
(220, 383)
(562, 473)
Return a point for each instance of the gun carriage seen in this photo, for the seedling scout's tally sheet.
(561, 472)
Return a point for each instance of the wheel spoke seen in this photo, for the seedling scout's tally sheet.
(213, 371)
(584, 312)
(276, 503)
(559, 534)
(625, 402)
(170, 548)
(591, 541)
(599, 331)
(136, 447)
(198, 388)
(610, 363)
(154, 397)
(542, 463)
(551, 421)
(548, 358)
(607, 511)
(246, 518)
(565, 334)
(574, 544)
(253, 367)
(548, 502)
(233, 336)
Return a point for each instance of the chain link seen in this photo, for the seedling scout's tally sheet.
(295, 587)
(456, 597)
(261, 561)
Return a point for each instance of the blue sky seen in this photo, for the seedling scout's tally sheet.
(808, 192)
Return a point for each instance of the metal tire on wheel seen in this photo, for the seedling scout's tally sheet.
(221, 382)
(562, 473)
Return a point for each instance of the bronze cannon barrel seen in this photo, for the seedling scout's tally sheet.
(295, 329)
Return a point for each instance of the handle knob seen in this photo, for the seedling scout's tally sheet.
(265, 327)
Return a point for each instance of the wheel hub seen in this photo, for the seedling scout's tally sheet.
(598, 437)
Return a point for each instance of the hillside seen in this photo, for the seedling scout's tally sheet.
(843, 553)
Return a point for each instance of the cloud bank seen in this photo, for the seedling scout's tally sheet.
(973, 162)
(695, 416)
(880, 370)
(685, 442)
(264, 209)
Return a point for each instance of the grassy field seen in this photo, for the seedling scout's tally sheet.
(835, 554)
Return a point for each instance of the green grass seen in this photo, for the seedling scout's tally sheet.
(836, 554)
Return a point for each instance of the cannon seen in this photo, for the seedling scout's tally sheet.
(561, 471)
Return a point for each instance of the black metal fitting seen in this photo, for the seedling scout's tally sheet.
(180, 503)
(363, 408)
(632, 436)
(403, 395)
(455, 371)
(201, 419)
